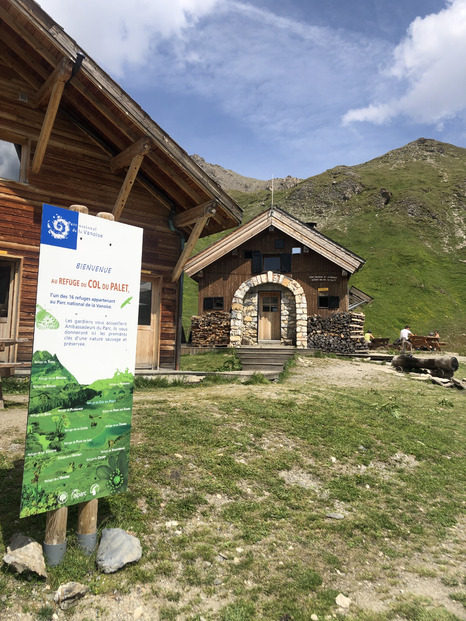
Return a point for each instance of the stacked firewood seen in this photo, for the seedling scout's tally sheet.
(211, 329)
(340, 333)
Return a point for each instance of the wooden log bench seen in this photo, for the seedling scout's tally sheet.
(439, 367)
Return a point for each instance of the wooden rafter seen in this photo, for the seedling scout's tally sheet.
(127, 185)
(53, 90)
(185, 218)
(61, 73)
(125, 158)
(184, 256)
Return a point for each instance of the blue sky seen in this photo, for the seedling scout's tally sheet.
(270, 88)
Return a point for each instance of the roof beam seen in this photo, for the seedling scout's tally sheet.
(185, 218)
(189, 246)
(125, 158)
(128, 183)
(54, 86)
(61, 73)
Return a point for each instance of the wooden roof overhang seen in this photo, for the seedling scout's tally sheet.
(289, 225)
(64, 80)
(358, 297)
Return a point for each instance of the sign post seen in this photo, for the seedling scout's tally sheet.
(82, 372)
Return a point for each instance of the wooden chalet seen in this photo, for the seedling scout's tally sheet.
(271, 274)
(70, 135)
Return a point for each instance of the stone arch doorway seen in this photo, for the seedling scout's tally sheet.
(243, 325)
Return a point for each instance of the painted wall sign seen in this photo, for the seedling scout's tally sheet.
(82, 372)
(324, 278)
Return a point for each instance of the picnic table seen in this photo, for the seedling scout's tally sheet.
(6, 368)
(428, 343)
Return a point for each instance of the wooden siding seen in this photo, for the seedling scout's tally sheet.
(223, 277)
(75, 171)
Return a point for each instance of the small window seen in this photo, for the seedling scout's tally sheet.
(279, 244)
(145, 304)
(272, 263)
(10, 160)
(270, 304)
(329, 301)
(213, 304)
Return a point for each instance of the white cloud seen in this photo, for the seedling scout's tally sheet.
(274, 74)
(428, 70)
(118, 33)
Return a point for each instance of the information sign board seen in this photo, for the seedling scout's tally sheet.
(82, 372)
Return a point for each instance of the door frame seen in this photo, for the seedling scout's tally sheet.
(12, 320)
(153, 330)
(262, 294)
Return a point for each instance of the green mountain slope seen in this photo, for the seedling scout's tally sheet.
(404, 212)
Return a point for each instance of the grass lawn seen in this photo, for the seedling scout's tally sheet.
(268, 501)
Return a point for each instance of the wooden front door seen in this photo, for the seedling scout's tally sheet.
(9, 291)
(148, 343)
(269, 316)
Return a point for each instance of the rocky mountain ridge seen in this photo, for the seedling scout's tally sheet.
(230, 181)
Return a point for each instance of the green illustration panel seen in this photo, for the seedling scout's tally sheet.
(78, 437)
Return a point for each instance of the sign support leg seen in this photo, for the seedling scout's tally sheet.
(87, 525)
(55, 535)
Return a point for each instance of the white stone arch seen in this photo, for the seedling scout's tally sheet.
(237, 307)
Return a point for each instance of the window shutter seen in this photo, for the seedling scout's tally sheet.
(208, 303)
(256, 262)
(333, 301)
(286, 263)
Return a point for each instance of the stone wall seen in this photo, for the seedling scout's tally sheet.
(294, 308)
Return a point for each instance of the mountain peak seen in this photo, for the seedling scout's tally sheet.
(229, 180)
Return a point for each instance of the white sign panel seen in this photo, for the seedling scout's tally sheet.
(82, 373)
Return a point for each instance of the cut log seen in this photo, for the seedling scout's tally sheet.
(442, 367)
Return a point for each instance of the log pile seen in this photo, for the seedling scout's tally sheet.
(211, 329)
(341, 333)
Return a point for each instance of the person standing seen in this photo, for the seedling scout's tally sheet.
(404, 338)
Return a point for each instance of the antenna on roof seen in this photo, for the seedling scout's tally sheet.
(272, 194)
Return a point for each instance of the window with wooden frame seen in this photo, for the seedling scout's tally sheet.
(328, 301)
(270, 263)
(213, 303)
(14, 158)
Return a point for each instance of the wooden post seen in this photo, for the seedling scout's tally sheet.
(55, 526)
(86, 533)
(55, 535)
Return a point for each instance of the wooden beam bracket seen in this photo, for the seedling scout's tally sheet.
(190, 216)
(126, 157)
(127, 185)
(61, 74)
(51, 90)
(195, 234)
